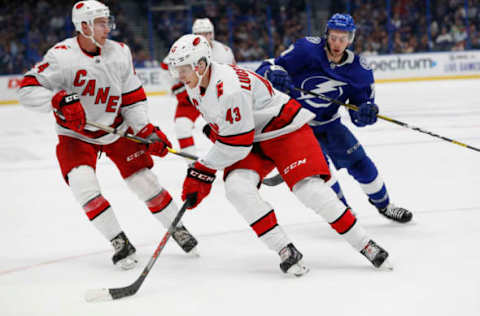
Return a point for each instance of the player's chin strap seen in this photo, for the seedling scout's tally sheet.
(386, 118)
(90, 37)
(137, 139)
(200, 77)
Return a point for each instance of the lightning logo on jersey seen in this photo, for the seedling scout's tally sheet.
(308, 65)
(321, 85)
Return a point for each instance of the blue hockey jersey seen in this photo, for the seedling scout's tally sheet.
(307, 64)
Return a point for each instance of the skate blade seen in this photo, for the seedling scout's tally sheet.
(386, 266)
(127, 263)
(298, 270)
(98, 295)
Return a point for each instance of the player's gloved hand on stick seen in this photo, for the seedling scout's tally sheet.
(69, 110)
(366, 114)
(160, 142)
(279, 78)
(209, 132)
(198, 182)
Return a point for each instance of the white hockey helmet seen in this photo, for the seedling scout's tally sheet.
(189, 49)
(203, 26)
(88, 11)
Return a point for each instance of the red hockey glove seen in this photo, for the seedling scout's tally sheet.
(210, 133)
(160, 142)
(69, 110)
(198, 183)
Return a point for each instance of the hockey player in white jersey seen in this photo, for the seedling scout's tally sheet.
(221, 53)
(91, 78)
(186, 114)
(256, 128)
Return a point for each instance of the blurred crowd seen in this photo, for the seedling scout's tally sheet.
(445, 27)
(29, 29)
(254, 29)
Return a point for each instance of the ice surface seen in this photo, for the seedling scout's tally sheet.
(51, 254)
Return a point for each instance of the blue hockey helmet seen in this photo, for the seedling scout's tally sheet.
(342, 22)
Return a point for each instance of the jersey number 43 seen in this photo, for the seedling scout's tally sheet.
(233, 115)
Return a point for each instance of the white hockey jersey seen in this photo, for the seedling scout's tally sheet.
(242, 108)
(109, 90)
(222, 53)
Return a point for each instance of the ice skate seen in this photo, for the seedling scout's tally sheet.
(124, 256)
(291, 261)
(185, 240)
(395, 213)
(377, 256)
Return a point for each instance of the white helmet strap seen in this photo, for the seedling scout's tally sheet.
(200, 77)
(90, 37)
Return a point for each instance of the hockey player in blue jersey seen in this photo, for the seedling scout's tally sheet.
(325, 66)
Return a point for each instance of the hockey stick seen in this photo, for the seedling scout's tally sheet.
(98, 295)
(137, 139)
(277, 179)
(273, 181)
(386, 118)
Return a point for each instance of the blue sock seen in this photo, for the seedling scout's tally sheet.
(380, 199)
(366, 173)
(338, 190)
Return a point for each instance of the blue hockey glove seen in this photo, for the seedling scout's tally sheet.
(279, 78)
(366, 114)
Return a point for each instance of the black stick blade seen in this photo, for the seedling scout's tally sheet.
(273, 181)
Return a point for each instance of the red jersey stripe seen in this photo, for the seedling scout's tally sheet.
(134, 96)
(244, 140)
(179, 88)
(285, 117)
(186, 142)
(29, 81)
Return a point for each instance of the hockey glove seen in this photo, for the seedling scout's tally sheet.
(69, 111)
(160, 143)
(279, 78)
(198, 182)
(209, 132)
(366, 114)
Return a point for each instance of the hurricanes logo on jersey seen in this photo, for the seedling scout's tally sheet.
(321, 85)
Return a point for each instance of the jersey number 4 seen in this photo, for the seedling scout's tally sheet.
(42, 67)
(233, 117)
